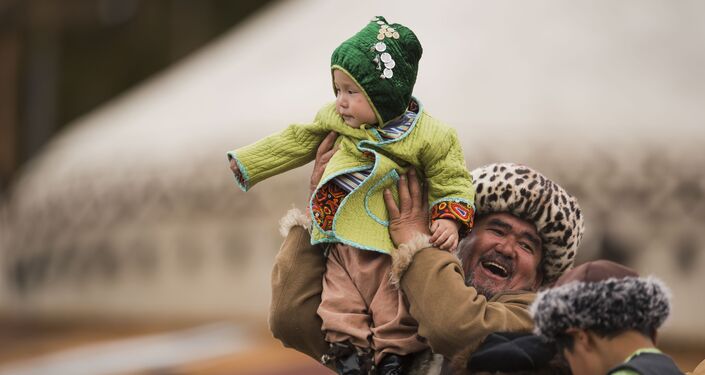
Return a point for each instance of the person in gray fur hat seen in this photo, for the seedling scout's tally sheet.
(603, 317)
(527, 232)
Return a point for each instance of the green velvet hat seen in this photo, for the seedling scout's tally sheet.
(383, 59)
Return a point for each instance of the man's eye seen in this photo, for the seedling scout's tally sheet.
(496, 231)
(527, 247)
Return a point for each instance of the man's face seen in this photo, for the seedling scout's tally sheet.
(502, 253)
(584, 358)
(579, 362)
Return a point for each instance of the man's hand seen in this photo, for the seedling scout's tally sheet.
(325, 151)
(445, 234)
(410, 217)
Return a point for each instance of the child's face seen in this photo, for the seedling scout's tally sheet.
(351, 102)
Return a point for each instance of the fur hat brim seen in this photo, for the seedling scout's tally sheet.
(608, 306)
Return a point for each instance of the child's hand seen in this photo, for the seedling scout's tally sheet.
(233, 167)
(445, 234)
(236, 171)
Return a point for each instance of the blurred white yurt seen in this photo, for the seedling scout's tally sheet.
(133, 212)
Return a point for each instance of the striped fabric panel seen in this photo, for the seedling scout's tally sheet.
(392, 130)
(397, 128)
(350, 181)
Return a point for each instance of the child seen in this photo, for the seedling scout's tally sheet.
(383, 131)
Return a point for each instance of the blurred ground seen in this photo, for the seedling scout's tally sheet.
(140, 348)
(158, 348)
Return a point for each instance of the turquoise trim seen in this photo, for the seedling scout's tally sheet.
(342, 203)
(243, 170)
(310, 202)
(361, 145)
(348, 242)
(332, 235)
(395, 176)
(375, 132)
(411, 128)
(374, 170)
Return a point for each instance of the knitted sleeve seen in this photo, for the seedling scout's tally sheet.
(291, 148)
(450, 192)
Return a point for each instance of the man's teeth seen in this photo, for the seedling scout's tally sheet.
(496, 268)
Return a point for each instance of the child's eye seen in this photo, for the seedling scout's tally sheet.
(351, 92)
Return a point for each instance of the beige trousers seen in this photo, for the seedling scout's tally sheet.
(360, 305)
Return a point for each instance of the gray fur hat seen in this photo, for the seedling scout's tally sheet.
(601, 296)
(529, 195)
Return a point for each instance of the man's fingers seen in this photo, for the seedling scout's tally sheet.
(392, 209)
(414, 189)
(404, 198)
(325, 158)
(424, 196)
(327, 143)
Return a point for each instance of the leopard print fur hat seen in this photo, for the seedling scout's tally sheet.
(531, 196)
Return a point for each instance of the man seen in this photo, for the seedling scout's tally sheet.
(604, 317)
(526, 235)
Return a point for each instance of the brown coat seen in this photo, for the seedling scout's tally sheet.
(700, 370)
(453, 317)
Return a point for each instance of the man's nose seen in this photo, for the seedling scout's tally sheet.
(505, 247)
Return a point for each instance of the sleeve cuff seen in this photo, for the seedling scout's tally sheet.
(461, 212)
(293, 218)
(404, 254)
(242, 178)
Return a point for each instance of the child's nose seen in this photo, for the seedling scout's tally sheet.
(341, 101)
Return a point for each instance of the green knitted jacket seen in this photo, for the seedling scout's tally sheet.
(361, 220)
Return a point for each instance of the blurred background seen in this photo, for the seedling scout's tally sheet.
(126, 248)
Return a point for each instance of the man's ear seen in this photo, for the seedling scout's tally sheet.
(538, 281)
(581, 338)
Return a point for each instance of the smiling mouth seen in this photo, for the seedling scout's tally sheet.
(496, 269)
